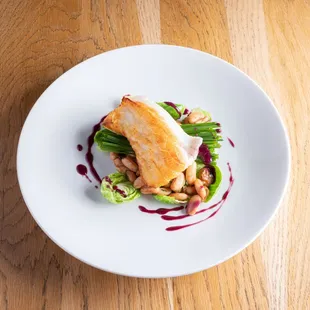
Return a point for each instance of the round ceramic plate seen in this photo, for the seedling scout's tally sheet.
(121, 238)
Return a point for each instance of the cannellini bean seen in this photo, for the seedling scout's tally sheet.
(190, 190)
(179, 196)
(131, 176)
(130, 163)
(185, 121)
(178, 183)
(139, 182)
(191, 173)
(121, 169)
(206, 176)
(117, 162)
(193, 205)
(164, 191)
(203, 120)
(207, 192)
(113, 155)
(194, 117)
(200, 188)
(149, 190)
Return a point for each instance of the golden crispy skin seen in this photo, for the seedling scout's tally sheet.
(162, 148)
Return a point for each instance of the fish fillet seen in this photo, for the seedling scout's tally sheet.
(162, 148)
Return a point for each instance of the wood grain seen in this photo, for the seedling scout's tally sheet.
(267, 39)
(250, 53)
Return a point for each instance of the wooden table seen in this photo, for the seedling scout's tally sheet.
(269, 40)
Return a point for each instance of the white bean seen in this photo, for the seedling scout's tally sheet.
(190, 190)
(185, 121)
(191, 173)
(194, 117)
(131, 176)
(139, 182)
(193, 205)
(149, 190)
(113, 155)
(201, 190)
(117, 162)
(178, 183)
(130, 163)
(179, 196)
(164, 191)
(203, 120)
(121, 169)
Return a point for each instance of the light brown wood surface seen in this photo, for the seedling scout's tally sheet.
(269, 40)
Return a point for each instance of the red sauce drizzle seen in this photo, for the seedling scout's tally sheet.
(186, 111)
(183, 216)
(171, 104)
(115, 188)
(231, 143)
(79, 147)
(89, 156)
(120, 191)
(82, 170)
(164, 211)
(204, 154)
(107, 179)
(160, 210)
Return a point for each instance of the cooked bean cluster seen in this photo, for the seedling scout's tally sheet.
(185, 187)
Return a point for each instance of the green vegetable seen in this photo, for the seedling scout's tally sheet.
(215, 186)
(171, 110)
(200, 164)
(167, 199)
(109, 141)
(125, 192)
(218, 178)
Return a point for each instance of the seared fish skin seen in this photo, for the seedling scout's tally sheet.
(162, 148)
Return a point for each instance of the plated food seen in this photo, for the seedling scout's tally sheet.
(60, 168)
(160, 149)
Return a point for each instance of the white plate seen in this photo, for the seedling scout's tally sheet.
(120, 238)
